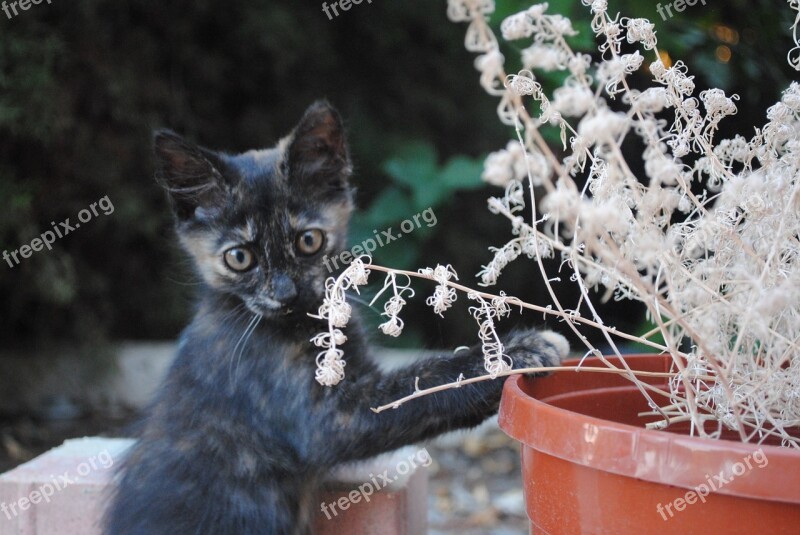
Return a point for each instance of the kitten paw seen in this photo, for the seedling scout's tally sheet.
(536, 349)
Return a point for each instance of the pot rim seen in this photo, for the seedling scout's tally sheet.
(651, 455)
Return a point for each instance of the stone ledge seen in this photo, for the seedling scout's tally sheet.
(65, 491)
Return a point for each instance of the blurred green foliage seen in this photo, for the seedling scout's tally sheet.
(83, 84)
(417, 183)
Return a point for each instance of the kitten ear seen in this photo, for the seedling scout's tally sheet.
(318, 152)
(189, 173)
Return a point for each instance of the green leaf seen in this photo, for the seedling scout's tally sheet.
(392, 205)
(461, 172)
(402, 254)
(413, 165)
(645, 328)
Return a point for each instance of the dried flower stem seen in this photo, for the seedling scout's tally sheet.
(513, 301)
(590, 369)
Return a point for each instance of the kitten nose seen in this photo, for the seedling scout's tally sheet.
(282, 288)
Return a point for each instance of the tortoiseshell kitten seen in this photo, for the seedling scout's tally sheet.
(240, 436)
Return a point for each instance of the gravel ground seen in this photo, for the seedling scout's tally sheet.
(475, 484)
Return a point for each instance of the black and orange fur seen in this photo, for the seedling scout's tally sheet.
(240, 436)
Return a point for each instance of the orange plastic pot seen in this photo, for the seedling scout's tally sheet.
(589, 466)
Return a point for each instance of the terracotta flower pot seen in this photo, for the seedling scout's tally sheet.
(589, 466)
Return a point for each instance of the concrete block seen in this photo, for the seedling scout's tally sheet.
(65, 492)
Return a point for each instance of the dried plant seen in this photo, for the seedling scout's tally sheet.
(708, 239)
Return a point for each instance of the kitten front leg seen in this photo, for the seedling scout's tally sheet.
(362, 433)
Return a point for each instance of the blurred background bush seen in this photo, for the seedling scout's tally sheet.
(83, 84)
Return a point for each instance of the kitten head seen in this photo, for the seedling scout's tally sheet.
(258, 224)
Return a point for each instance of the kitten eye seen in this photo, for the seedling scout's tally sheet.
(239, 259)
(309, 241)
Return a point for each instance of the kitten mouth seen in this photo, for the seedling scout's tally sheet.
(270, 307)
(265, 304)
(282, 312)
